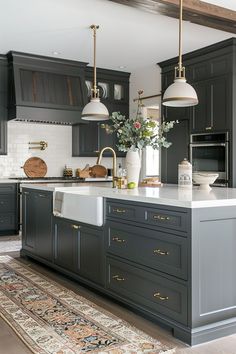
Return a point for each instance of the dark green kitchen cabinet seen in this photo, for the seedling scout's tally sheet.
(9, 210)
(79, 249)
(90, 137)
(213, 111)
(91, 254)
(37, 223)
(66, 244)
(28, 221)
(43, 224)
(211, 71)
(179, 137)
(85, 139)
(3, 105)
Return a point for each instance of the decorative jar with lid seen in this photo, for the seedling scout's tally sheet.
(185, 174)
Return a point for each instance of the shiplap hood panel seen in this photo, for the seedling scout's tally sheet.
(45, 90)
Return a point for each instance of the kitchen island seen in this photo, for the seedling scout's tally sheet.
(167, 253)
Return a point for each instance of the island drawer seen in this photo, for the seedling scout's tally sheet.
(124, 211)
(162, 218)
(157, 294)
(159, 250)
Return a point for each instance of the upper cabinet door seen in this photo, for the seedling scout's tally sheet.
(213, 111)
(114, 94)
(201, 118)
(220, 102)
(85, 139)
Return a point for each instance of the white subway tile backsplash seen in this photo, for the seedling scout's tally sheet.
(57, 155)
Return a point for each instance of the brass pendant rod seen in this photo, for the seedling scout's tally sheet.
(180, 35)
(147, 97)
(95, 90)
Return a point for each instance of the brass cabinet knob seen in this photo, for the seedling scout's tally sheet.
(118, 278)
(161, 217)
(75, 227)
(160, 297)
(118, 210)
(161, 253)
(117, 239)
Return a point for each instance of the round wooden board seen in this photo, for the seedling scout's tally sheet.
(98, 171)
(35, 167)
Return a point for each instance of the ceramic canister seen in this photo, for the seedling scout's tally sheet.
(185, 174)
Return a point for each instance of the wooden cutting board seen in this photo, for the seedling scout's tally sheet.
(98, 171)
(35, 167)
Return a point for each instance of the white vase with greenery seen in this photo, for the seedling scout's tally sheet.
(133, 166)
(134, 134)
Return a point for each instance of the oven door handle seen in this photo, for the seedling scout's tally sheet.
(205, 145)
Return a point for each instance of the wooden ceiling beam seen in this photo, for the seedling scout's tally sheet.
(195, 11)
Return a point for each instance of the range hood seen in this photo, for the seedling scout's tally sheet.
(45, 90)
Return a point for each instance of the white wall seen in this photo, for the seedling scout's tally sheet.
(58, 153)
(147, 79)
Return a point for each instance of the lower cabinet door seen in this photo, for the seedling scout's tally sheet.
(66, 243)
(157, 294)
(28, 221)
(91, 254)
(80, 249)
(43, 222)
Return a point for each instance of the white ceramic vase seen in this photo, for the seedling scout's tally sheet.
(133, 166)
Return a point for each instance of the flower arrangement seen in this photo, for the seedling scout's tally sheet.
(136, 133)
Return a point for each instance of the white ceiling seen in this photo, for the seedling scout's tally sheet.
(230, 4)
(127, 37)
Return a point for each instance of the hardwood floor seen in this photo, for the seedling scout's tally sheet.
(11, 344)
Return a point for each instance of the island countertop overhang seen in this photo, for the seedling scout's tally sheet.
(170, 195)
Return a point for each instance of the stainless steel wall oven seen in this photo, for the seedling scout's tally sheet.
(210, 153)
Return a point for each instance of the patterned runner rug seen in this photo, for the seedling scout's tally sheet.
(51, 319)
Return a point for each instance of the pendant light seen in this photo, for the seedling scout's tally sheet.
(180, 93)
(95, 110)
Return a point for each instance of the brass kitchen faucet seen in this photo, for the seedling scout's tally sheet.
(99, 159)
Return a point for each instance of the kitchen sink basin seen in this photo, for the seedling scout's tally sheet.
(81, 204)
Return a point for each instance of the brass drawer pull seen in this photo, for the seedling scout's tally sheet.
(160, 297)
(117, 239)
(161, 253)
(118, 278)
(76, 227)
(117, 210)
(161, 218)
(208, 128)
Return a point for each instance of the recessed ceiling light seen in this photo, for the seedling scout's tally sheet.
(122, 67)
(56, 53)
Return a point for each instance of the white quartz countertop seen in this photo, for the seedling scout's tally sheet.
(8, 180)
(166, 195)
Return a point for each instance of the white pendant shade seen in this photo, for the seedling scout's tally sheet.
(180, 94)
(95, 111)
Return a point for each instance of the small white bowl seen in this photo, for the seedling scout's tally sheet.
(204, 179)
